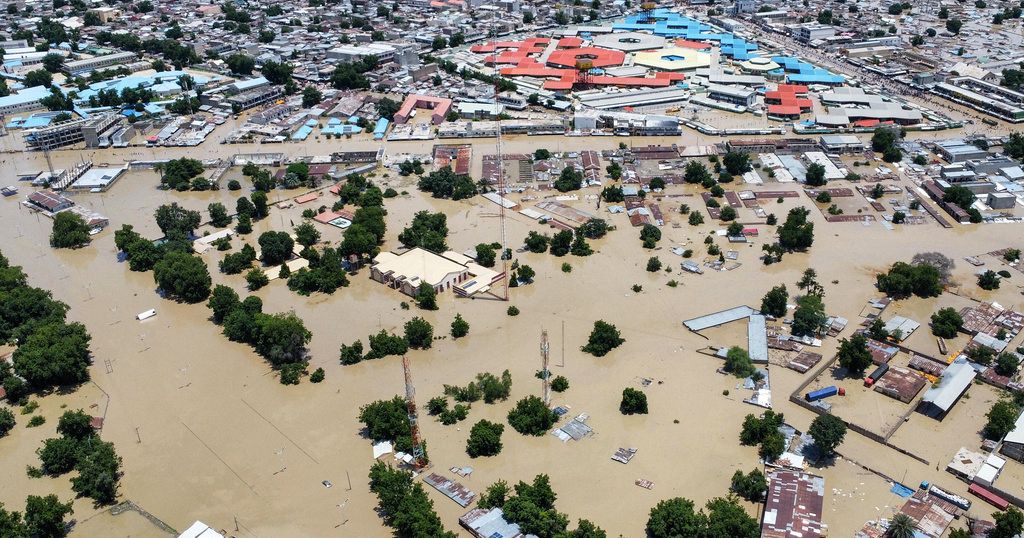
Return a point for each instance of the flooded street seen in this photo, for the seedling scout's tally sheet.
(207, 432)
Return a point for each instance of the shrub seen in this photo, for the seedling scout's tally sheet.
(460, 327)
(512, 311)
(946, 323)
(559, 384)
(317, 375)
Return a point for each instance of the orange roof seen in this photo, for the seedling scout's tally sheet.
(631, 81)
(687, 44)
(668, 75)
(308, 197)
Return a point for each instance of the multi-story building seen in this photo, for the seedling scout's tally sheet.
(77, 67)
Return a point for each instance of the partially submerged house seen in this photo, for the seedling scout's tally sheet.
(408, 270)
(952, 384)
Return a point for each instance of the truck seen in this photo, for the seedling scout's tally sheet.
(873, 377)
(821, 394)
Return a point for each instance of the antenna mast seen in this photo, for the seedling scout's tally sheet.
(418, 454)
(544, 348)
(501, 164)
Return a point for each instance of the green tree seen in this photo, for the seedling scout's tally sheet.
(495, 495)
(537, 243)
(281, 338)
(954, 25)
(901, 526)
(75, 425)
(675, 518)
(650, 234)
(946, 323)
(569, 180)
(593, 228)
(633, 402)
(311, 96)
(44, 516)
(809, 316)
(1009, 523)
(796, 233)
(485, 255)
(306, 234)
(1001, 419)
(774, 302)
(427, 230)
(737, 361)
(419, 333)
(426, 297)
(219, 215)
(255, 278)
(815, 176)
(653, 264)
(54, 354)
(561, 243)
(531, 417)
(988, 280)
(828, 432)
(603, 338)
(99, 468)
(7, 423)
(175, 221)
(183, 277)
(460, 327)
(484, 439)
(276, 247)
(69, 231)
(736, 162)
(751, 486)
(854, 355)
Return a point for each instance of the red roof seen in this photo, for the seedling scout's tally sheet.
(598, 57)
(308, 197)
(866, 123)
(792, 88)
(991, 498)
(570, 43)
(784, 110)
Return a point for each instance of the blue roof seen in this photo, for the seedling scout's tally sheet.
(666, 23)
(243, 85)
(341, 129)
(27, 95)
(302, 133)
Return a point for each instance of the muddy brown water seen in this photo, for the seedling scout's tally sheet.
(207, 432)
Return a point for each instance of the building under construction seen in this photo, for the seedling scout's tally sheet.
(71, 132)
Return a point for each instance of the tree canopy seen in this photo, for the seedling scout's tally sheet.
(854, 355)
(603, 338)
(69, 231)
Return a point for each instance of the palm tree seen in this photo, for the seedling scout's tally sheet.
(901, 526)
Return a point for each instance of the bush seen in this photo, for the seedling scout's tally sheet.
(291, 372)
(988, 280)
(437, 405)
(566, 267)
(531, 417)
(484, 439)
(560, 384)
(426, 297)
(37, 420)
(1001, 419)
(603, 338)
(7, 421)
(633, 402)
(351, 354)
(512, 311)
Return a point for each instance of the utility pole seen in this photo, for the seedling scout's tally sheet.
(544, 348)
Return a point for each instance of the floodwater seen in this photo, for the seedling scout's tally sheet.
(207, 432)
